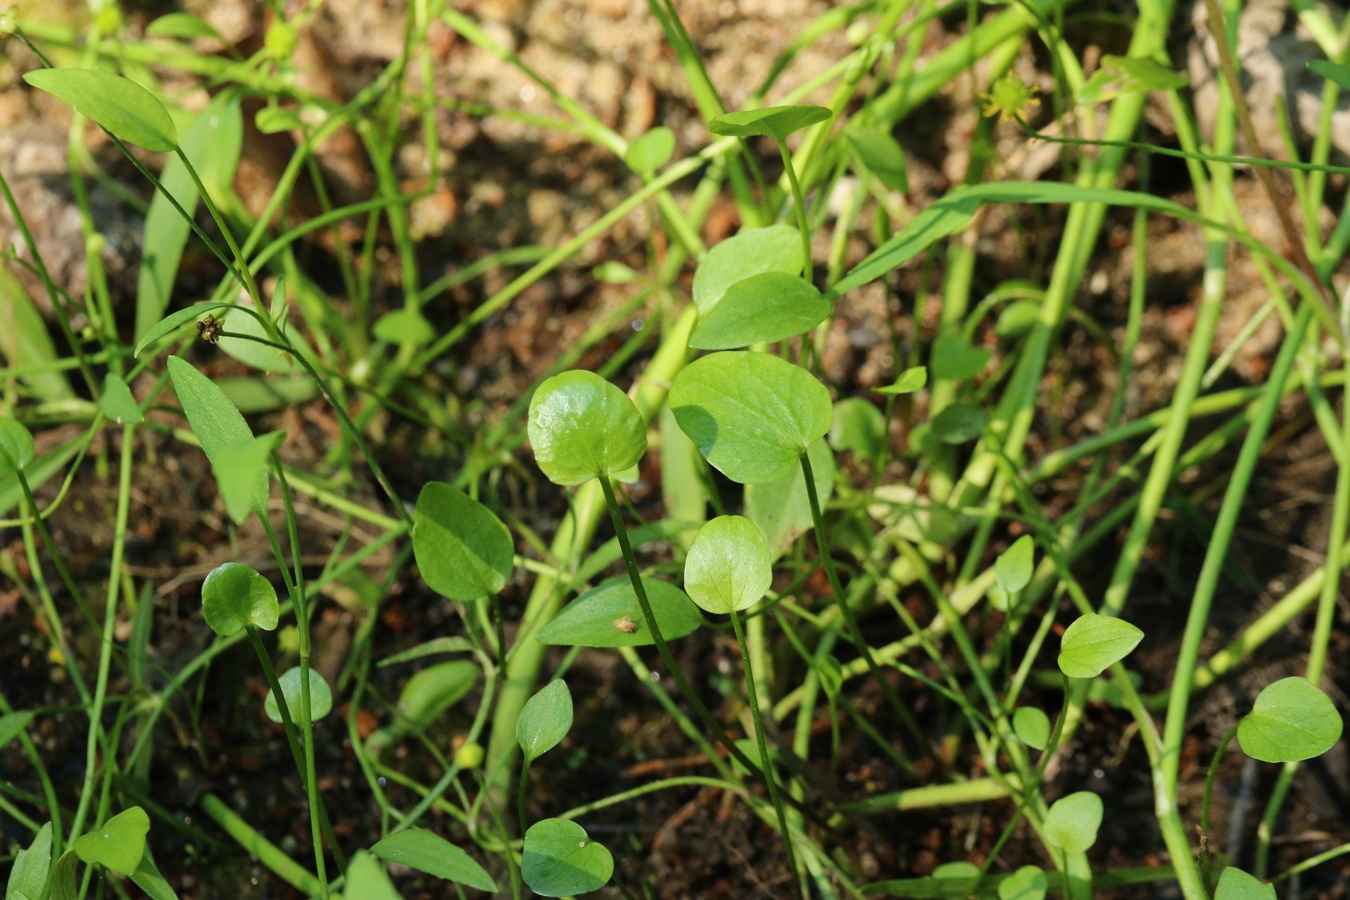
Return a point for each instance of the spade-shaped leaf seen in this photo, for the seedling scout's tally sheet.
(367, 879)
(433, 854)
(776, 122)
(1072, 823)
(777, 248)
(1032, 726)
(1014, 566)
(910, 380)
(117, 403)
(729, 566)
(956, 359)
(16, 446)
(320, 697)
(215, 421)
(959, 423)
(651, 151)
(118, 104)
(1291, 720)
(881, 155)
(1027, 883)
(770, 306)
(1093, 643)
(544, 720)
(1235, 884)
(238, 467)
(609, 615)
(561, 860)
(751, 415)
(234, 596)
(581, 427)
(118, 844)
(463, 550)
(858, 426)
(781, 508)
(28, 876)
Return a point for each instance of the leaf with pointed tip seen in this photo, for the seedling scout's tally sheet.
(1072, 822)
(13, 724)
(118, 104)
(434, 855)
(215, 421)
(175, 320)
(117, 402)
(16, 446)
(1291, 720)
(910, 380)
(959, 423)
(756, 251)
(881, 155)
(320, 696)
(729, 567)
(581, 427)
(651, 151)
(234, 596)
(1014, 566)
(957, 359)
(609, 615)
(776, 122)
(1331, 71)
(1119, 75)
(1027, 883)
(181, 25)
(1235, 884)
(770, 306)
(238, 467)
(1032, 727)
(28, 875)
(560, 860)
(118, 844)
(462, 549)
(367, 879)
(1094, 643)
(544, 720)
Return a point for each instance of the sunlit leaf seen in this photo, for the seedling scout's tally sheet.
(234, 595)
(462, 549)
(776, 122)
(560, 860)
(770, 306)
(881, 155)
(118, 104)
(1291, 720)
(609, 615)
(729, 567)
(434, 855)
(777, 248)
(1094, 643)
(581, 427)
(118, 844)
(1072, 822)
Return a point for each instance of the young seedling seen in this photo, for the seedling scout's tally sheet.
(1094, 643)
(1071, 826)
(1027, 883)
(434, 855)
(544, 721)
(1235, 884)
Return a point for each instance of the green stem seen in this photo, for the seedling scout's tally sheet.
(267, 853)
(1210, 778)
(799, 204)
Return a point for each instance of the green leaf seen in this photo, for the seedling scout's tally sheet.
(320, 696)
(1331, 71)
(118, 104)
(181, 25)
(751, 415)
(118, 844)
(367, 879)
(1017, 318)
(235, 596)
(1032, 727)
(1014, 566)
(432, 647)
(403, 326)
(770, 306)
(463, 550)
(238, 468)
(25, 343)
(858, 426)
(16, 446)
(560, 860)
(910, 380)
(38, 473)
(956, 359)
(435, 689)
(1072, 822)
(1235, 884)
(956, 871)
(614, 272)
(831, 675)
(777, 248)
(63, 884)
(117, 402)
(212, 143)
(781, 508)
(581, 427)
(175, 320)
(1291, 720)
(248, 351)
(544, 720)
(881, 155)
(776, 122)
(1094, 643)
(13, 724)
(217, 424)
(651, 151)
(28, 876)
(1027, 883)
(434, 855)
(958, 424)
(148, 878)
(1127, 75)
(729, 567)
(276, 119)
(609, 615)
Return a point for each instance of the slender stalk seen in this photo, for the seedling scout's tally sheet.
(799, 204)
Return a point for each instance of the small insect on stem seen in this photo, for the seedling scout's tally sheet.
(625, 624)
(210, 329)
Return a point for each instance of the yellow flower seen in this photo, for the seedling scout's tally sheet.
(1009, 98)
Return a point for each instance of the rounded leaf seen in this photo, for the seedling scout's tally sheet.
(118, 844)
(776, 122)
(1032, 726)
(16, 446)
(1073, 821)
(544, 720)
(651, 151)
(609, 615)
(956, 359)
(908, 382)
(234, 596)
(581, 427)
(1235, 884)
(1093, 643)
(751, 415)
(1013, 567)
(959, 423)
(118, 104)
(462, 549)
(117, 402)
(858, 426)
(777, 248)
(729, 566)
(1291, 720)
(433, 854)
(560, 860)
(1027, 883)
(403, 326)
(320, 697)
(770, 306)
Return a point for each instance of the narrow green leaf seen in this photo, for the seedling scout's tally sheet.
(462, 549)
(276, 119)
(1094, 643)
(609, 615)
(771, 306)
(1119, 75)
(320, 696)
(117, 402)
(181, 25)
(910, 380)
(958, 424)
(432, 647)
(1331, 71)
(1235, 884)
(367, 879)
(1027, 883)
(16, 446)
(729, 567)
(777, 248)
(751, 415)
(118, 844)
(1291, 720)
(1073, 821)
(238, 467)
(217, 424)
(148, 879)
(560, 860)
(881, 155)
(25, 343)
(782, 508)
(1014, 566)
(1032, 727)
(581, 427)
(234, 596)
(544, 720)
(118, 104)
(175, 320)
(433, 690)
(13, 724)
(651, 151)
(434, 855)
(1017, 318)
(776, 122)
(611, 271)
(28, 875)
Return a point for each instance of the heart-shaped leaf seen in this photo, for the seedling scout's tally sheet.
(118, 844)
(777, 248)
(238, 467)
(781, 508)
(28, 876)
(16, 446)
(729, 566)
(609, 615)
(215, 421)
(651, 151)
(581, 427)
(463, 550)
(118, 104)
(958, 424)
(367, 879)
(1235, 884)
(1032, 726)
(910, 380)
(117, 402)
(956, 359)
(776, 122)
(234, 596)
(1072, 823)
(1027, 883)
(433, 854)
(1014, 566)
(320, 697)
(881, 155)
(770, 306)
(1093, 643)
(544, 720)
(1291, 720)
(858, 426)
(560, 860)
(751, 415)
(403, 326)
